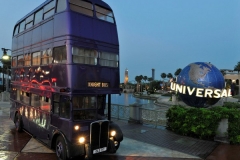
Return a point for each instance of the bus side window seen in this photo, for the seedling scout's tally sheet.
(45, 104)
(56, 99)
(77, 102)
(18, 95)
(61, 5)
(35, 100)
(64, 107)
(56, 108)
(26, 98)
(60, 54)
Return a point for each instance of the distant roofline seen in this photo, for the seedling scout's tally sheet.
(229, 70)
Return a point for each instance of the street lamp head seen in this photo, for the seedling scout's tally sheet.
(5, 56)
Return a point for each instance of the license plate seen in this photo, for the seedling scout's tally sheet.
(99, 150)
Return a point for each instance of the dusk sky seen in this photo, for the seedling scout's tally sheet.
(160, 34)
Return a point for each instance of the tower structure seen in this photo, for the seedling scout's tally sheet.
(153, 74)
(126, 76)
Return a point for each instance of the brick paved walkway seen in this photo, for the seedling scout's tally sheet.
(167, 139)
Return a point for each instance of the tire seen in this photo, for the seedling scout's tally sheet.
(60, 148)
(18, 122)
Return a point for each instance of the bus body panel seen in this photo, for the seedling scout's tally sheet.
(55, 76)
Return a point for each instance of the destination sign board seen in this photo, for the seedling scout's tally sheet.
(98, 84)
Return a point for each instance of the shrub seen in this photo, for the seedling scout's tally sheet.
(203, 122)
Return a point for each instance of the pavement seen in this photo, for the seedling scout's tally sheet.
(141, 142)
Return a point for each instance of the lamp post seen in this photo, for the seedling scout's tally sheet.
(6, 61)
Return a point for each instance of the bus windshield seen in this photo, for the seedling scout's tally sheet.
(87, 107)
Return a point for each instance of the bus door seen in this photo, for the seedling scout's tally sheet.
(44, 119)
(39, 114)
(61, 111)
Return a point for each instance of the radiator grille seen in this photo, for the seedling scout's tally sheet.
(99, 134)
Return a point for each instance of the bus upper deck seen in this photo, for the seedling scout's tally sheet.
(72, 39)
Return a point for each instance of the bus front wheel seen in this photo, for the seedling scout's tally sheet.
(18, 122)
(61, 148)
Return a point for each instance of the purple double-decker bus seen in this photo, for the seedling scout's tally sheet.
(65, 61)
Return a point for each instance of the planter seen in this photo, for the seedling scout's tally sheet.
(222, 131)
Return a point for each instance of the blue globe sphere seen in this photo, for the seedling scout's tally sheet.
(200, 75)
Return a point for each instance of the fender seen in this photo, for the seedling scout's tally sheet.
(55, 134)
(119, 135)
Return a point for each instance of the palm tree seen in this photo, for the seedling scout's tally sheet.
(150, 79)
(145, 78)
(163, 75)
(139, 79)
(169, 76)
(178, 71)
(237, 68)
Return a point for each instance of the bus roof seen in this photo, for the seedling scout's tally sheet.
(98, 2)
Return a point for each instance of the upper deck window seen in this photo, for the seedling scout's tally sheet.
(38, 16)
(108, 59)
(60, 55)
(29, 22)
(22, 26)
(81, 7)
(104, 14)
(48, 10)
(61, 5)
(84, 56)
(16, 30)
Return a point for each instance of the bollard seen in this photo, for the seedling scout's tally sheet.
(174, 99)
(134, 115)
(3, 96)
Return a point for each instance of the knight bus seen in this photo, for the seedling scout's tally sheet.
(65, 64)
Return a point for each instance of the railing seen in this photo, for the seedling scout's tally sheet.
(153, 117)
(146, 116)
(119, 111)
(4, 96)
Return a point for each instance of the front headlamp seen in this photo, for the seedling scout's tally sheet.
(113, 133)
(81, 140)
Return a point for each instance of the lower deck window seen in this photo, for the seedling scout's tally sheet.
(43, 103)
(61, 106)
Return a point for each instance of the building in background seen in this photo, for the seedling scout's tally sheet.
(153, 74)
(231, 75)
(232, 78)
(126, 76)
